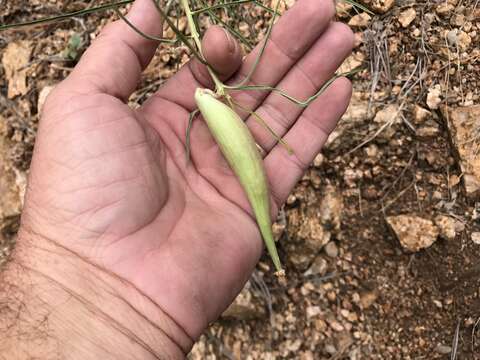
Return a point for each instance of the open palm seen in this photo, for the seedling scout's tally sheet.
(113, 184)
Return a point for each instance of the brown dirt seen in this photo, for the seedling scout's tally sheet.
(373, 300)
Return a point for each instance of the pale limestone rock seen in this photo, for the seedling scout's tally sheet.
(447, 226)
(413, 232)
(464, 129)
(406, 17)
(434, 97)
(360, 20)
(14, 60)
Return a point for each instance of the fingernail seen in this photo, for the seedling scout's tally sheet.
(230, 40)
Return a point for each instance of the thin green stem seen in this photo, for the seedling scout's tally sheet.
(66, 15)
(260, 54)
(360, 6)
(219, 6)
(141, 33)
(220, 87)
(300, 103)
(177, 32)
(237, 34)
(264, 124)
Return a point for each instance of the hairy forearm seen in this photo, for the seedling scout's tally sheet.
(56, 305)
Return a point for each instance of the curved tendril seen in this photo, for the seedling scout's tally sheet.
(300, 103)
(265, 125)
(141, 33)
(179, 34)
(260, 54)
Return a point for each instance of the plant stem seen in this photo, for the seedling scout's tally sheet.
(66, 15)
(219, 86)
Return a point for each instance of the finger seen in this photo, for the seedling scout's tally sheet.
(114, 62)
(306, 138)
(303, 81)
(223, 54)
(291, 38)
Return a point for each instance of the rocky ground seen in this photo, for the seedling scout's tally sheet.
(381, 238)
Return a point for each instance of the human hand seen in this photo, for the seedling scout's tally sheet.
(111, 185)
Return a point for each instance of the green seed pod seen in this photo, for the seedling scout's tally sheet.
(239, 148)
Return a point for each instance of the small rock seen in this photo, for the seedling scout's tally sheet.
(368, 298)
(10, 200)
(458, 20)
(443, 349)
(413, 232)
(319, 267)
(343, 8)
(360, 20)
(372, 150)
(318, 160)
(459, 38)
(447, 226)
(352, 62)
(330, 349)
(406, 17)
(336, 326)
(313, 311)
(389, 115)
(444, 8)
(434, 97)
(291, 199)
(454, 180)
(428, 131)
(464, 131)
(245, 306)
(380, 6)
(476, 238)
(15, 59)
(331, 250)
(420, 114)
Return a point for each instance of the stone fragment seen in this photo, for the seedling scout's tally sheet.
(368, 298)
(406, 17)
(354, 61)
(360, 20)
(420, 114)
(15, 60)
(476, 238)
(413, 232)
(459, 38)
(388, 115)
(464, 129)
(447, 226)
(10, 202)
(245, 306)
(443, 349)
(434, 97)
(312, 311)
(331, 249)
(379, 6)
(319, 267)
(311, 225)
(444, 8)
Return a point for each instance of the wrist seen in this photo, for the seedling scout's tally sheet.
(73, 309)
